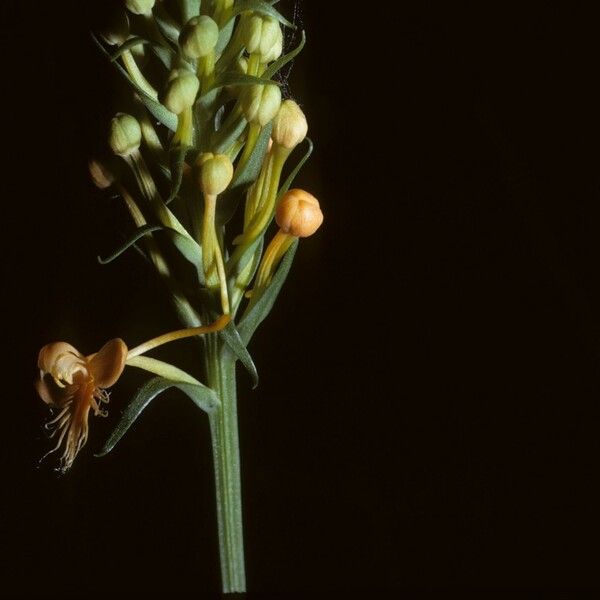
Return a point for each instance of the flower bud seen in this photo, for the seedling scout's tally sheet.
(181, 91)
(276, 49)
(250, 32)
(298, 213)
(268, 38)
(101, 176)
(216, 172)
(289, 126)
(199, 37)
(140, 7)
(125, 134)
(261, 103)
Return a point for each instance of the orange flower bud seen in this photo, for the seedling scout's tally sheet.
(299, 213)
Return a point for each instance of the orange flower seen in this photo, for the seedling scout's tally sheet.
(73, 384)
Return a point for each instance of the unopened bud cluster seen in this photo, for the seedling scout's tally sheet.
(231, 134)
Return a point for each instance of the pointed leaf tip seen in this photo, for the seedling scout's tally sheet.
(202, 396)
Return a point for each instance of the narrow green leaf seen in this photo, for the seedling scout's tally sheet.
(166, 24)
(165, 116)
(177, 159)
(137, 234)
(165, 55)
(228, 202)
(264, 8)
(285, 59)
(260, 306)
(224, 37)
(227, 135)
(290, 179)
(188, 247)
(238, 280)
(251, 169)
(232, 78)
(202, 396)
(189, 9)
(231, 335)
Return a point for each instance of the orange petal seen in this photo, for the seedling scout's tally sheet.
(59, 358)
(52, 394)
(107, 365)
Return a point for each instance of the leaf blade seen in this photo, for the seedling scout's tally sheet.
(203, 396)
(137, 235)
(286, 58)
(233, 339)
(158, 111)
(260, 308)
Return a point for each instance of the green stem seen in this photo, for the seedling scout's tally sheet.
(220, 363)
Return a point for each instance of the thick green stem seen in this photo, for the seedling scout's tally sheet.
(220, 365)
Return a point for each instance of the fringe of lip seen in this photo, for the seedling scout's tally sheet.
(70, 426)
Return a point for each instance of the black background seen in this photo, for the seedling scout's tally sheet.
(429, 409)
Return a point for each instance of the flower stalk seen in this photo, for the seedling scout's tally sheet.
(220, 369)
(213, 136)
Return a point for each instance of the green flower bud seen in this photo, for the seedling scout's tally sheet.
(250, 32)
(289, 125)
(140, 7)
(125, 134)
(268, 37)
(276, 49)
(216, 172)
(261, 103)
(181, 91)
(199, 37)
(259, 35)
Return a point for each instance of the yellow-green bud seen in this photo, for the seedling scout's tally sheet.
(289, 125)
(181, 91)
(276, 49)
(250, 32)
(199, 37)
(125, 134)
(140, 7)
(268, 37)
(261, 103)
(298, 213)
(216, 172)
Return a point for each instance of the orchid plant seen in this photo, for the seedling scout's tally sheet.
(199, 159)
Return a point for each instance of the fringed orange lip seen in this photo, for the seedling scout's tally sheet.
(74, 384)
